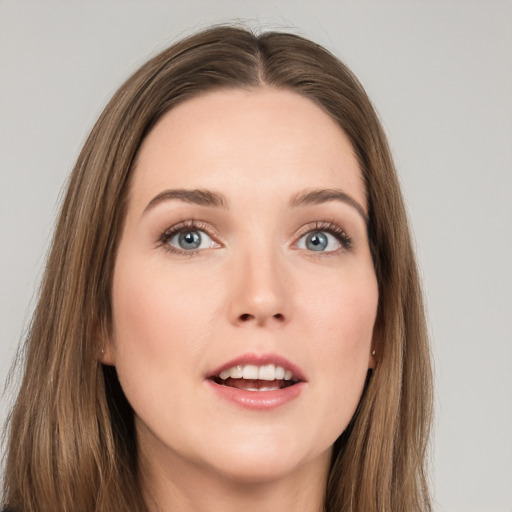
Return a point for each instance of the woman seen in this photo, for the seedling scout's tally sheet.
(231, 316)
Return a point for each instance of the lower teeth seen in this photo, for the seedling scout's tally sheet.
(260, 389)
(261, 385)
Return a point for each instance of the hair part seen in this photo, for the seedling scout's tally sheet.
(72, 444)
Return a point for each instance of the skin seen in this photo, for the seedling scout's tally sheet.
(254, 287)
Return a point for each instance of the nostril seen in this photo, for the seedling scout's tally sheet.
(247, 317)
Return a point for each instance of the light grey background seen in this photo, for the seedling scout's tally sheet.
(439, 73)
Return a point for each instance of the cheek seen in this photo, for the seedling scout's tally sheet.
(342, 321)
(152, 303)
(353, 312)
(162, 325)
(342, 311)
(159, 324)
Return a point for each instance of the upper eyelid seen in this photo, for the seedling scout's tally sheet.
(333, 228)
(191, 225)
(328, 226)
(184, 226)
(188, 225)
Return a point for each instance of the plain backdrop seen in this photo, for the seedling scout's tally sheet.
(440, 75)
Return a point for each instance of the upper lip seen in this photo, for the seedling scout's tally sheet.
(260, 360)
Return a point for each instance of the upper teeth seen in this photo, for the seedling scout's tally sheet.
(253, 372)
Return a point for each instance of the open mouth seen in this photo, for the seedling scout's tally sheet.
(252, 377)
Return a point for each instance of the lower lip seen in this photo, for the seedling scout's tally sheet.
(258, 400)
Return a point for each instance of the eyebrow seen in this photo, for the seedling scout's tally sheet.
(204, 197)
(319, 196)
(197, 196)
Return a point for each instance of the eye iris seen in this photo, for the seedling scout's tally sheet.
(189, 240)
(316, 241)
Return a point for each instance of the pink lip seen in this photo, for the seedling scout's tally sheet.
(259, 400)
(260, 360)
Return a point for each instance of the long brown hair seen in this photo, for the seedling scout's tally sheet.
(71, 443)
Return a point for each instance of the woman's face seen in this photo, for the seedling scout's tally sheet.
(244, 295)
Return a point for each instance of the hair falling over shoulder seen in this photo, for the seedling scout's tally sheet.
(71, 443)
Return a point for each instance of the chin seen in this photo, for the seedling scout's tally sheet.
(252, 462)
(257, 471)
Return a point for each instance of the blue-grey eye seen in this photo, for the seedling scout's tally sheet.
(316, 241)
(191, 240)
(319, 241)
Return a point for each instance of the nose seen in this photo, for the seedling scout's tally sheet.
(260, 294)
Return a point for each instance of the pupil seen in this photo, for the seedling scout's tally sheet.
(190, 240)
(316, 241)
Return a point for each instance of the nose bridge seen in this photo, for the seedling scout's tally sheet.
(259, 291)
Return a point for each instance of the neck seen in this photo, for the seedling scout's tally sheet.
(171, 484)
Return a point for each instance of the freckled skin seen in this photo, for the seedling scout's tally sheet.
(258, 289)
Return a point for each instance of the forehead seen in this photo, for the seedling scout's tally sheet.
(262, 138)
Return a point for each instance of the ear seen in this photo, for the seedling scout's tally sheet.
(107, 355)
(372, 360)
(374, 348)
(105, 347)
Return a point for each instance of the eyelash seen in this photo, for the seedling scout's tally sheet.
(332, 229)
(182, 227)
(194, 225)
